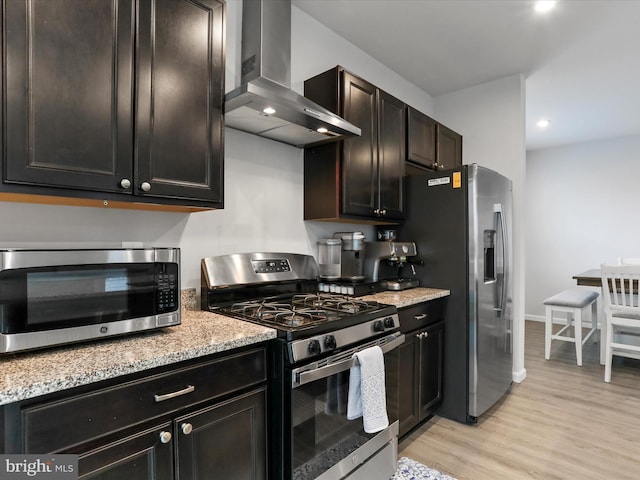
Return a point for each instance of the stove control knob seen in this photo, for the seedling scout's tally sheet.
(314, 347)
(330, 342)
(378, 326)
(388, 322)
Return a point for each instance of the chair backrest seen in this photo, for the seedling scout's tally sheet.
(628, 261)
(620, 285)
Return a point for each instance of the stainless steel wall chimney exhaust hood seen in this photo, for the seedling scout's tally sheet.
(264, 104)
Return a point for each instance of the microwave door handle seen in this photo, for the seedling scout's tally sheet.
(308, 376)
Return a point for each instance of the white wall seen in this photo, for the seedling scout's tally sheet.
(315, 49)
(263, 178)
(491, 119)
(582, 210)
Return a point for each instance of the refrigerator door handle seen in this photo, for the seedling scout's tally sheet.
(497, 209)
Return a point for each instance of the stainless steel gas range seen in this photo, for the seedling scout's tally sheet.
(318, 335)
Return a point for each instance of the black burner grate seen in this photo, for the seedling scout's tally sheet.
(300, 310)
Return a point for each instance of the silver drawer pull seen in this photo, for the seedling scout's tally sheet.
(421, 316)
(167, 396)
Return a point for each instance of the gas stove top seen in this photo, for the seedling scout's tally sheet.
(279, 290)
(317, 324)
(300, 311)
(304, 314)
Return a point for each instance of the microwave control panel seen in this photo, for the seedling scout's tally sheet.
(167, 288)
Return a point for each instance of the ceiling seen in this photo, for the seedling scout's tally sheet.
(581, 61)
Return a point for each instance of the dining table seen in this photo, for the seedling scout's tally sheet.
(589, 278)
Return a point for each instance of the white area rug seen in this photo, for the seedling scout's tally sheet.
(411, 470)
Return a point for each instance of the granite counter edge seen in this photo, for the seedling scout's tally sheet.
(25, 389)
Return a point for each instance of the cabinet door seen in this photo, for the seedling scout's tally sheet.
(391, 156)
(360, 155)
(69, 84)
(449, 148)
(430, 368)
(180, 88)
(421, 139)
(227, 440)
(409, 415)
(142, 456)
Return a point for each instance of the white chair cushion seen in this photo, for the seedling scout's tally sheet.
(573, 297)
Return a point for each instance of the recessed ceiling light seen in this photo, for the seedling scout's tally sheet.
(269, 110)
(543, 6)
(322, 130)
(543, 123)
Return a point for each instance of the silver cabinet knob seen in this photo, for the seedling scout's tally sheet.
(145, 186)
(376, 211)
(383, 212)
(165, 437)
(187, 428)
(125, 183)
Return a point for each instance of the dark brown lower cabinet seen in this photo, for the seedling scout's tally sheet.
(228, 439)
(420, 365)
(185, 422)
(140, 456)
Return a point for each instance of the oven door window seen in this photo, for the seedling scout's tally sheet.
(57, 297)
(321, 434)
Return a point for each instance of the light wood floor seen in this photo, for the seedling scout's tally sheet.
(562, 422)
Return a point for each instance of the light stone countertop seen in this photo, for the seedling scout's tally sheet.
(31, 374)
(406, 298)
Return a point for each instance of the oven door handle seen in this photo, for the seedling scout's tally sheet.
(307, 376)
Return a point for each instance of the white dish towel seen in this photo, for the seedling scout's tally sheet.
(367, 394)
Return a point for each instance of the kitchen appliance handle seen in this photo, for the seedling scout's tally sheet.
(167, 396)
(306, 375)
(497, 208)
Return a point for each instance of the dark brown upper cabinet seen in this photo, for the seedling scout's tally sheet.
(431, 145)
(359, 179)
(115, 99)
(421, 138)
(449, 147)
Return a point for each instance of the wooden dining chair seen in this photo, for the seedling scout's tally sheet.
(620, 290)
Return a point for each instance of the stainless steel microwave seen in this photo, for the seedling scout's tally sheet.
(53, 297)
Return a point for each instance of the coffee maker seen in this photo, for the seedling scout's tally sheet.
(384, 261)
(352, 256)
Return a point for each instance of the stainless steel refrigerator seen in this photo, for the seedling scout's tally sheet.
(461, 222)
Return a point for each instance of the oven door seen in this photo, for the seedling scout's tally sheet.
(324, 444)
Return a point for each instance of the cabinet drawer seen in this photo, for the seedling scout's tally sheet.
(58, 425)
(421, 314)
